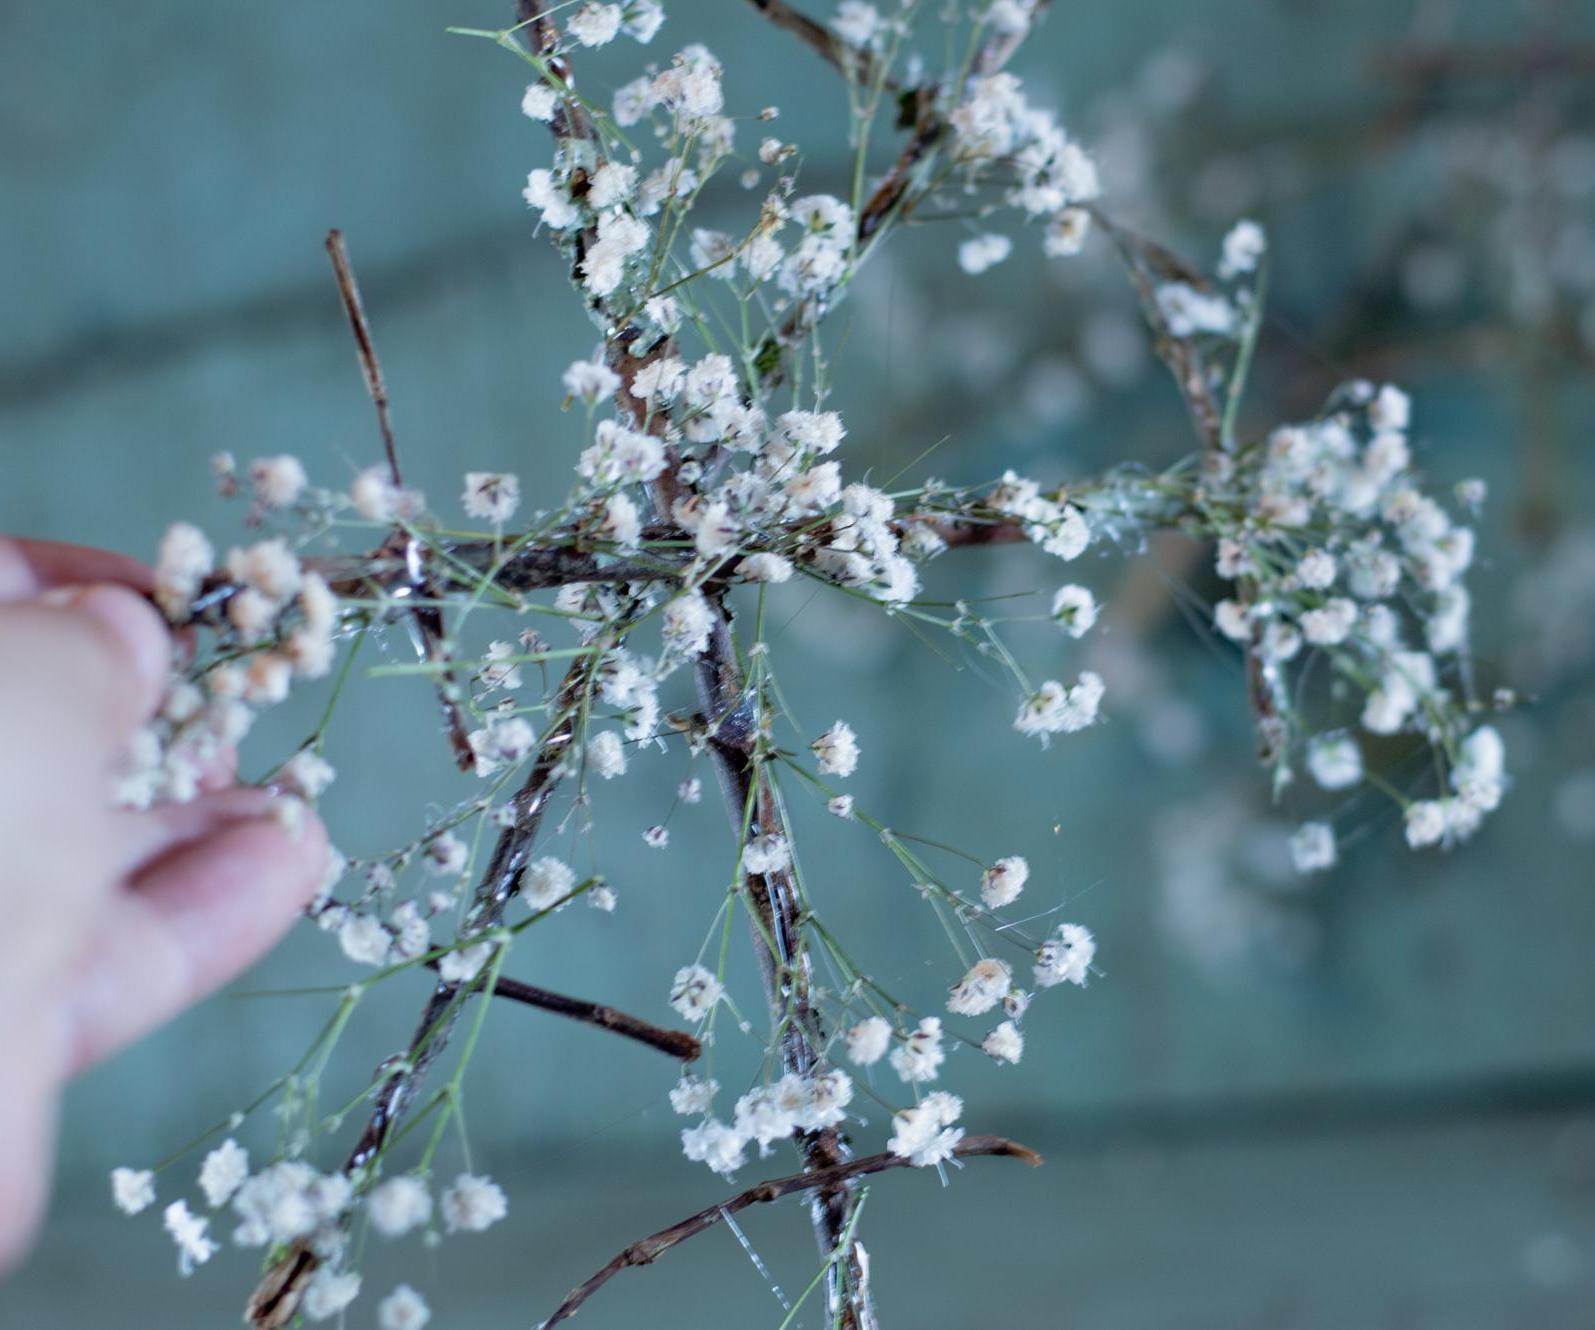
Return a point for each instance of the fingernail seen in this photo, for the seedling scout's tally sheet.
(147, 644)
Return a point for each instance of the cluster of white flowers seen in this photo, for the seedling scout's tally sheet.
(1335, 548)
(764, 1115)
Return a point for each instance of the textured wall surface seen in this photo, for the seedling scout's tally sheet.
(1391, 1123)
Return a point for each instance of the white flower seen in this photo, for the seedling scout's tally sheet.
(622, 522)
(868, 1041)
(1335, 761)
(403, 1309)
(1001, 884)
(1390, 409)
(694, 992)
(656, 837)
(688, 621)
(539, 102)
(503, 742)
(1004, 1044)
(1075, 608)
(329, 1292)
(837, 750)
(981, 989)
(278, 481)
(693, 1094)
(1331, 624)
(223, 1172)
(1243, 247)
(268, 566)
(690, 791)
(473, 1203)
(1189, 311)
(713, 1143)
(184, 560)
(981, 252)
(550, 198)
(1426, 822)
(765, 567)
(811, 431)
(766, 853)
(1065, 959)
(374, 494)
(612, 184)
(590, 380)
(133, 1189)
(856, 22)
(465, 963)
(1054, 709)
(306, 774)
(188, 1231)
(287, 1201)
(919, 1056)
(924, 1134)
(547, 882)
(595, 24)
(491, 496)
(1234, 620)
(365, 941)
(1317, 569)
(398, 1205)
(606, 755)
(1312, 848)
(840, 805)
(643, 19)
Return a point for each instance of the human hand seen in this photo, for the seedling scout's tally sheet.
(115, 920)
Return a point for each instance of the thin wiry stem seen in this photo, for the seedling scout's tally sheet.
(840, 1175)
(677, 1043)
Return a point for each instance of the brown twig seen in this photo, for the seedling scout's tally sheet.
(649, 1249)
(349, 289)
(775, 922)
(840, 55)
(677, 1043)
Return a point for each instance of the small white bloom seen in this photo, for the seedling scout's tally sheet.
(403, 1309)
(606, 755)
(694, 992)
(693, 1094)
(398, 1205)
(306, 774)
(1427, 823)
(1335, 761)
(590, 380)
(981, 989)
(1075, 609)
(1001, 884)
(1065, 959)
(491, 496)
(365, 941)
(329, 1292)
(1312, 848)
(868, 1041)
(1243, 247)
(837, 750)
(223, 1172)
(539, 102)
(765, 567)
(547, 882)
(981, 252)
(278, 481)
(766, 853)
(473, 1203)
(919, 1057)
(595, 24)
(713, 1143)
(465, 963)
(1004, 1044)
(133, 1189)
(188, 1231)
(840, 805)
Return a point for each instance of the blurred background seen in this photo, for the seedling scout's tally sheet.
(1362, 1101)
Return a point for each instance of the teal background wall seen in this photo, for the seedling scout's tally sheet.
(1369, 1102)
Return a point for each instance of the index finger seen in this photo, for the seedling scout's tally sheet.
(29, 567)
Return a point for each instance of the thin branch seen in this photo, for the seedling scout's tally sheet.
(349, 289)
(840, 55)
(677, 1043)
(649, 1249)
